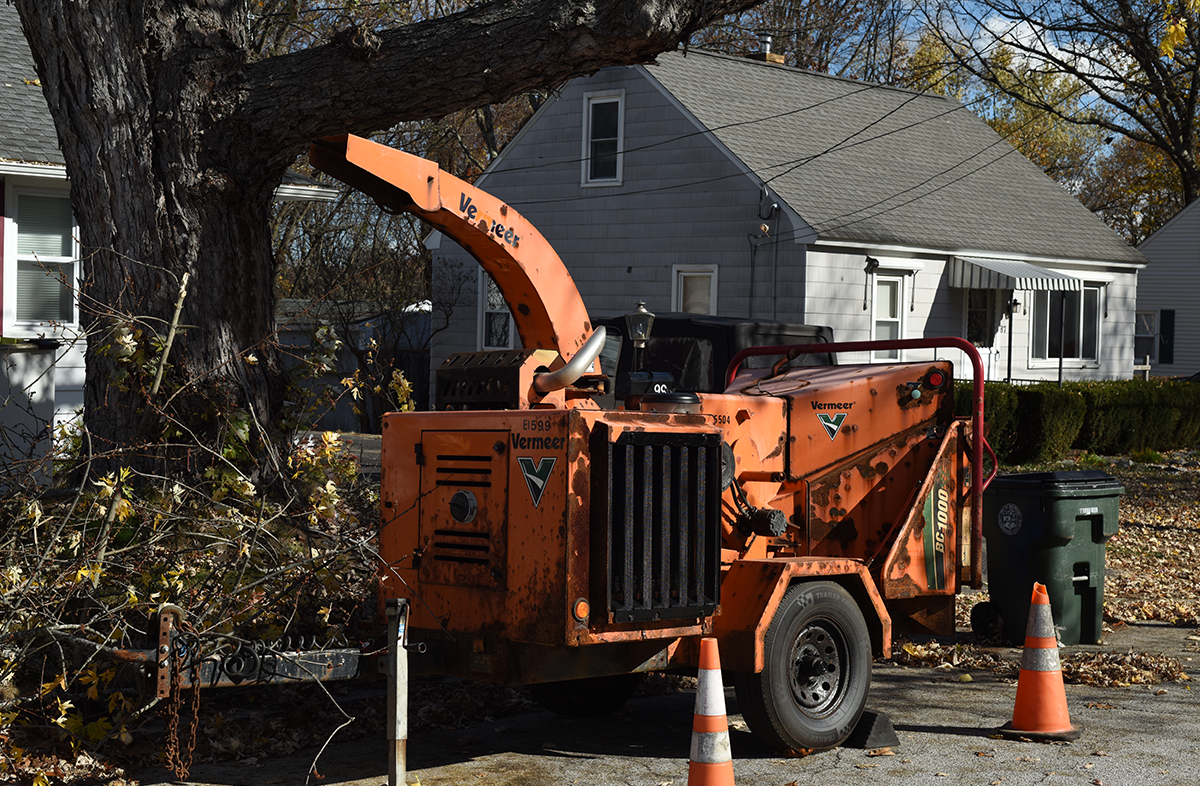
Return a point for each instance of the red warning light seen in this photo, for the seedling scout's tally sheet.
(935, 379)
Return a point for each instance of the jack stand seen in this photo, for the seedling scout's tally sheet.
(397, 681)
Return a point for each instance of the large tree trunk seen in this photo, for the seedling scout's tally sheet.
(138, 91)
(174, 143)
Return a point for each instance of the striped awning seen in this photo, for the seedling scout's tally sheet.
(982, 273)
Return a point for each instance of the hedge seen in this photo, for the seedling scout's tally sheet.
(1042, 422)
(1127, 415)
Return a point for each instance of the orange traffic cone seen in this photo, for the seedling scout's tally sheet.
(711, 761)
(1040, 712)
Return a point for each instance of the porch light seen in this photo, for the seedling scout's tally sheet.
(639, 322)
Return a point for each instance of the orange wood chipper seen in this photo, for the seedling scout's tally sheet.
(549, 533)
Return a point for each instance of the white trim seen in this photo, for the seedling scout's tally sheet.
(482, 312)
(1072, 363)
(1155, 337)
(681, 271)
(16, 169)
(9, 326)
(873, 249)
(900, 311)
(616, 95)
(897, 263)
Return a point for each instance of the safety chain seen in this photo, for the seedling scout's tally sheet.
(180, 656)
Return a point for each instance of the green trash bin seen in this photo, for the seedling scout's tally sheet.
(1050, 527)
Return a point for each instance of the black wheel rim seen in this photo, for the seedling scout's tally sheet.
(820, 668)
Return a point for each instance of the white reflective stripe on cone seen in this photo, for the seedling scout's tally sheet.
(1041, 621)
(710, 693)
(1038, 659)
(711, 747)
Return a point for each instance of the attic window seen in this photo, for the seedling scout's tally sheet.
(603, 120)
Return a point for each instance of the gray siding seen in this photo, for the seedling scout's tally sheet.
(621, 242)
(1171, 282)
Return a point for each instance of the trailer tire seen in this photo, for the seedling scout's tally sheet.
(587, 697)
(816, 671)
(986, 619)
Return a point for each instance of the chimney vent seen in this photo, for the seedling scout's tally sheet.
(764, 52)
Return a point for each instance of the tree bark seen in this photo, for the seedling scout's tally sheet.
(175, 141)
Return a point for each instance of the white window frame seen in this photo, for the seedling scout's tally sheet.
(590, 99)
(1035, 317)
(13, 261)
(1153, 335)
(680, 272)
(483, 311)
(900, 278)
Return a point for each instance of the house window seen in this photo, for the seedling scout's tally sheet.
(45, 259)
(1067, 325)
(496, 319)
(981, 326)
(1145, 336)
(889, 295)
(602, 136)
(694, 290)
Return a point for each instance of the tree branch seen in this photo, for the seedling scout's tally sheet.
(480, 56)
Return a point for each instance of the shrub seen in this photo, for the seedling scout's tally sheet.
(1048, 420)
(999, 414)
(1126, 415)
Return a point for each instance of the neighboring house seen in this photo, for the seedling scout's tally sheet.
(738, 187)
(39, 246)
(1167, 328)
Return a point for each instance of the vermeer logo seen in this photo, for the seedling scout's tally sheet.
(832, 423)
(536, 475)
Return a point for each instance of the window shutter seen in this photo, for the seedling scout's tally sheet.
(1166, 336)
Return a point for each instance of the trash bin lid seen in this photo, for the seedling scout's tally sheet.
(1072, 482)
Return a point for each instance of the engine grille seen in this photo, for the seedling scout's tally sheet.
(662, 534)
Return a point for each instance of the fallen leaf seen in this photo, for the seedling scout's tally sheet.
(881, 752)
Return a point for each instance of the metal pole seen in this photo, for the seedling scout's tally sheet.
(1012, 302)
(397, 677)
(1062, 328)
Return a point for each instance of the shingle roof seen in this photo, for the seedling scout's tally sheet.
(865, 162)
(26, 129)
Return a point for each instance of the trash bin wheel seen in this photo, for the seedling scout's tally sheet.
(816, 672)
(986, 619)
(587, 697)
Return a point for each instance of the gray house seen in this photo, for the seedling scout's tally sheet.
(739, 187)
(1167, 327)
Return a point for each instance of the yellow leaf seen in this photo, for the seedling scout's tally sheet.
(97, 729)
(1175, 36)
(58, 682)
